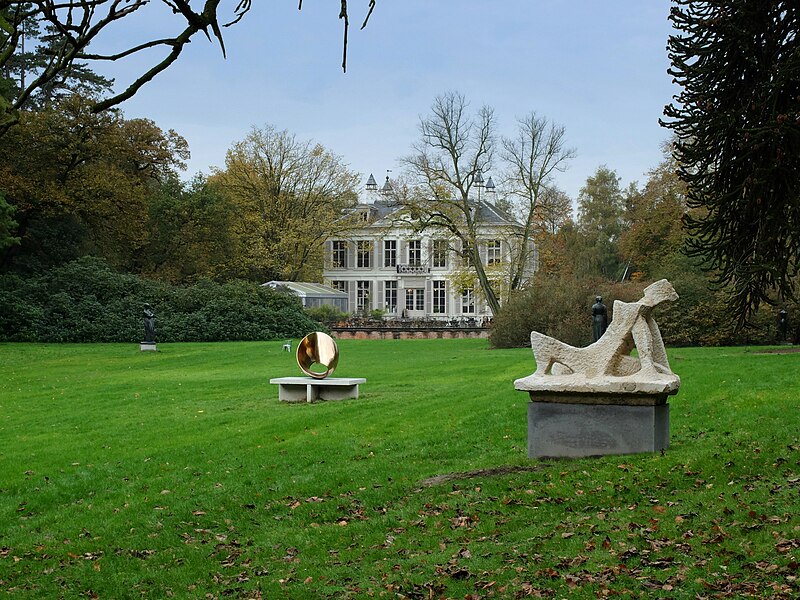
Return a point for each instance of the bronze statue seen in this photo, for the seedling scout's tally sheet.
(599, 319)
(317, 348)
(149, 324)
(783, 324)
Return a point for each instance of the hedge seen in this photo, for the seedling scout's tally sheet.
(87, 301)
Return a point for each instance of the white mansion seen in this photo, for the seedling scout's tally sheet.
(386, 265)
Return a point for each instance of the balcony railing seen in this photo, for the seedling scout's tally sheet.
(413, 269)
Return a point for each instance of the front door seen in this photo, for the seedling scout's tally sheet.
(415, 302)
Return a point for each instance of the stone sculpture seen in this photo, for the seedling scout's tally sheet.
(606, 365)
(600, 400)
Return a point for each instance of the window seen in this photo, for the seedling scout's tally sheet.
(362, 295)
(414, 253)
(339, 255)
(468, 302)
(364, 254)
(339, 285)
(390, 253)
(493, 252)
(466, 256)
(390, 297)
(439, 298)
(439, 253)
(415, 299)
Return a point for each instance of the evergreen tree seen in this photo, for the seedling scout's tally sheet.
(737, 121)
(600, 212)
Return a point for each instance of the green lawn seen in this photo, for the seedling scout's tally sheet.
(179, 474)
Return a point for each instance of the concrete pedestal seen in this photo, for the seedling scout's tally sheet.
(586, 426)
(147, 346)
(308, 389)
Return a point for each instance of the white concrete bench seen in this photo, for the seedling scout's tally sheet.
(308, 389)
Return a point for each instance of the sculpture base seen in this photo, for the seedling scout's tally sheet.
(147, 346)
(308, 389)
(582, 425)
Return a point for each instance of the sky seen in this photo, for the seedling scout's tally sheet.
(599, 68)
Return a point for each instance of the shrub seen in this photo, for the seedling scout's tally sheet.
(556, 306)
(560, 306)
(327, 313)
(86, 301)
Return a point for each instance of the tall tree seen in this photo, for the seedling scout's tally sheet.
(533, 156)
(289, 196)
(189, 232)
(80, 183)
(600, 212)
(7, 224)
(35, 52)
(553, 210)
(653, 218)
(75, 24)
(454, 149)
(737, 120)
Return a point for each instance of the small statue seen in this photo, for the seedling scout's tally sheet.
(599, 318)
(149, 325)
(783, 324)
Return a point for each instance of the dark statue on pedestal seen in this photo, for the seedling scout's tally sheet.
(149, 324)
(599, 319)
(783, 324)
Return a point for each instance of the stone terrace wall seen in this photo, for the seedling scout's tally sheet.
(385, 333)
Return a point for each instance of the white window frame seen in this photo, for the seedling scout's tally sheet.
(390, 296)
(363, 289)
(415, 299)
(415, 253)
(439, 258)
(468, 301)
(364, 254)
(439, 300)
(494, 252)
(389, 253)
(339, 254)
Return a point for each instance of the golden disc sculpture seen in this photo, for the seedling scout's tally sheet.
(317, 348)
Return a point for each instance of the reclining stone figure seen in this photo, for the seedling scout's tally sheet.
(609, 357)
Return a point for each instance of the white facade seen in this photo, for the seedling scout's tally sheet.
(406, 274)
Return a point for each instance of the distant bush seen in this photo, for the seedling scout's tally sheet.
(86, 301)
(554, 306)
(327, 313)
(560, 306)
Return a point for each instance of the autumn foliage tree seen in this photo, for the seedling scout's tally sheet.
(80, 183)
(737, 122)
(653, 220)
(288, 196)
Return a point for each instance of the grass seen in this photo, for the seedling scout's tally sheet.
(179, 474)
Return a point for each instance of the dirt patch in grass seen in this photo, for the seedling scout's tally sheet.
(786, 350)
(492, 472)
